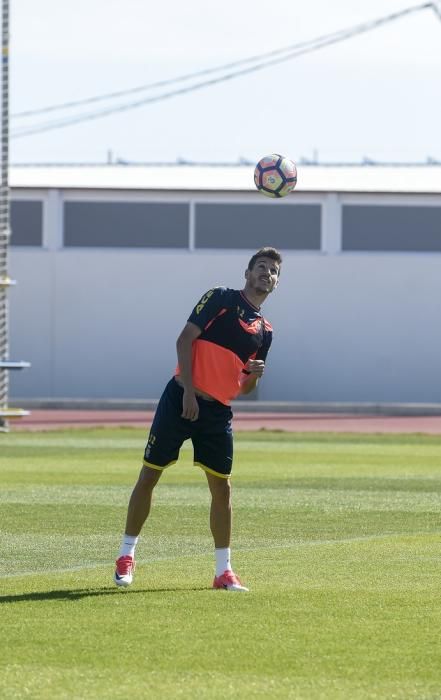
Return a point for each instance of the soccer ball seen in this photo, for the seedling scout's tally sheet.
(275, 175)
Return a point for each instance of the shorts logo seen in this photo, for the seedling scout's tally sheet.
(150, 443)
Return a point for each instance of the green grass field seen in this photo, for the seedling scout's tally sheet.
(337, 536)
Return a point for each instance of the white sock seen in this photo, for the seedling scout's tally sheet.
(223, 560)
(128, 545)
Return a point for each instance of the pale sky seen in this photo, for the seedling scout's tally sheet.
(377, 95)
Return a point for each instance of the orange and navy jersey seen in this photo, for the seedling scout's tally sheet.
(233, 332)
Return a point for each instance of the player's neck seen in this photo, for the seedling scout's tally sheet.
(255, 298)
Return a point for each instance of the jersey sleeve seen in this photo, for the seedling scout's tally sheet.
(266, 344)
(209, 306)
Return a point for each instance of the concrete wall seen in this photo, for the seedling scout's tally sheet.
(348, 326)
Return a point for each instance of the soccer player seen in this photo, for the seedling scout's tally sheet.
(221, 354)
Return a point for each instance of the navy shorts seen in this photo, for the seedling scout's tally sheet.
(211, 434)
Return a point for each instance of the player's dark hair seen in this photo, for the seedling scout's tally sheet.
(266, 252)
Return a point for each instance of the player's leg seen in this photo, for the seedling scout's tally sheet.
(141, 500)
(137, 513)
(220, 525)
(213, 451)
(220, 510)
(167, 434)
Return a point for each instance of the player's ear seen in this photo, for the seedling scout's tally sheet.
(247, 273)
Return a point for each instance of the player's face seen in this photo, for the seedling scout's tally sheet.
(264, 276)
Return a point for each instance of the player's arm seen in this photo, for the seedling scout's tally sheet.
(253, 371)
(190, 406)
(255, 366)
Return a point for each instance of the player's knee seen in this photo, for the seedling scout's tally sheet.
(220, 489)
(148, 478)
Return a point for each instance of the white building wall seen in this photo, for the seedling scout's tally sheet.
(349, 327)
(102, 323)
(363, 328)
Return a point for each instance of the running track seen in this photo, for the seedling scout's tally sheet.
(50, 419)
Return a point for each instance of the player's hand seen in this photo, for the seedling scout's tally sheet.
(256, 367)
(190, 406)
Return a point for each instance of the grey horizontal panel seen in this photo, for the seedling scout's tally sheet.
(250, 226)
(9, 364)
(391, 228)
(26, 223)
(126, 224)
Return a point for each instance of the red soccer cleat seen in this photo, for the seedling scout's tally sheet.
(125, 566)
(229, 582)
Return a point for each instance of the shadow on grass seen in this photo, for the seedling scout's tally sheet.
(78, 594)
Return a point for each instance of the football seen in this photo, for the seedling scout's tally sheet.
(275, 175)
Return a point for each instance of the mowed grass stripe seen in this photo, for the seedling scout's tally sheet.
(432, 543)
(337, 536)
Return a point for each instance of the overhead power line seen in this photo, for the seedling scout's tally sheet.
(209, 71)
(259, 63)
(169, 81)
(436, 7)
